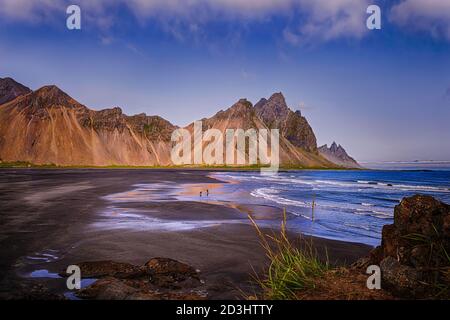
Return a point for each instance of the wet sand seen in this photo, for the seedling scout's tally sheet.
(50, 219)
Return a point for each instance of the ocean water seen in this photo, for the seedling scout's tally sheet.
(349, 205)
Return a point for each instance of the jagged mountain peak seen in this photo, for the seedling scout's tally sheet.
(334, 146)
(50, 96)
(278, 98)
(277, 115)
(260, 103)
(11, 89)
(242, 107)
(243, 102)
(114, 111)
(337, 154)
(273, 111)
(275, 105)
(10, 81)
(50, 92)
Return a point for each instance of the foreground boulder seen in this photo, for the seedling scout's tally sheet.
(414, 255)
(99, 269)
(158, 279)
(168, 273)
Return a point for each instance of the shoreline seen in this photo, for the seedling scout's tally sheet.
(10, 166)
(61, 219)
(27, 165)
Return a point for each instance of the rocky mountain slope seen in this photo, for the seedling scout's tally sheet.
(10, 89)
(337, 154)
(295, 128)
(47, 126)
(242, 115)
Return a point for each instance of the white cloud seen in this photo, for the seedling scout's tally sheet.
(432, 16)
(28, 10)
(307, 21)
(53, 12)
(328, 19)
(32, 9)
(311, 20)
(224, 8)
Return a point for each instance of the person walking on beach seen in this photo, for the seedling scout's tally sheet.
(207, 192)
(200, 194)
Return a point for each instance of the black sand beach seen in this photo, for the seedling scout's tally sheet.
(50, 219)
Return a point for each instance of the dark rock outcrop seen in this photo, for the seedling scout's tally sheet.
(99, 269)
(292, 125)
(337, 154)
(30, 290)
(400, 279)
(158, 279)
(414, 255)
(168, 273)
(10, 89)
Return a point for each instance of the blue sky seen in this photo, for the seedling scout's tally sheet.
(383, 94)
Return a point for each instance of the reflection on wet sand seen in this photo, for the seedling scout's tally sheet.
(142, 220)
(141, 208)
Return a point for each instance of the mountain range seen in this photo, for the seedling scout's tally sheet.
(47, 126)
(337, 154)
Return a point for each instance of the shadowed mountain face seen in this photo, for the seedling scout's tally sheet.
(295, 128)
(337, 154)
(10, 89)
(48, 126)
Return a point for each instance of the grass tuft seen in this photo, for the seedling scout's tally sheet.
(292, 268)
(437, 266)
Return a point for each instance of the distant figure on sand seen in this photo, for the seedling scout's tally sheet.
(200, 193)
(207, 192)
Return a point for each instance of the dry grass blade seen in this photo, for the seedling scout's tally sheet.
(292, 268)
